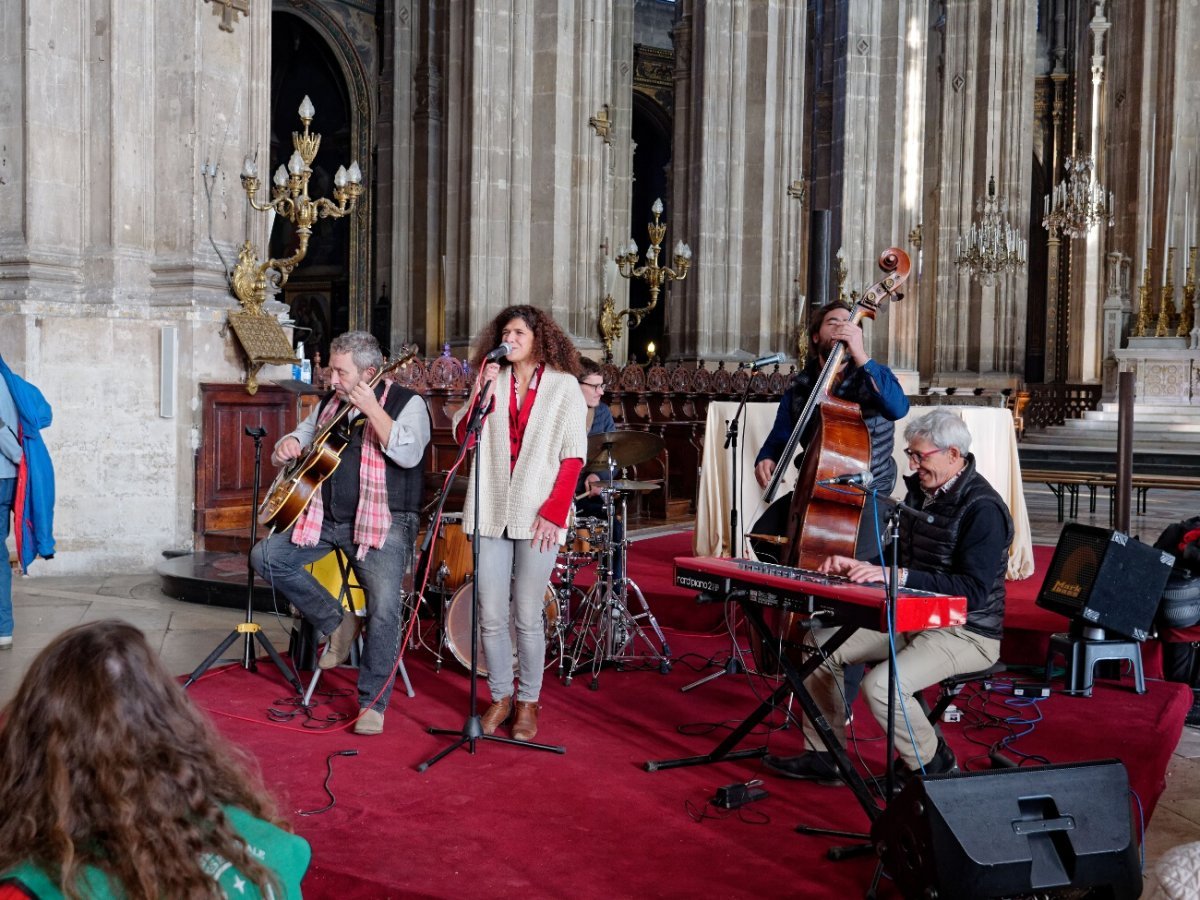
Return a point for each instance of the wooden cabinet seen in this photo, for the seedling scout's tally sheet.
(225, 457)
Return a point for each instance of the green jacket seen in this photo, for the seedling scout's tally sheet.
(285, 854)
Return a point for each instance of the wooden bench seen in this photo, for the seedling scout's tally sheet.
(1065, 484)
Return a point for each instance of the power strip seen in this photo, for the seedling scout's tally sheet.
(1032, 689)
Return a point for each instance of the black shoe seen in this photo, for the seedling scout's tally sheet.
(1193, 716)
(808, 766)
(943, 762)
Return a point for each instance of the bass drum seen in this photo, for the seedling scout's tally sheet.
(458, 627)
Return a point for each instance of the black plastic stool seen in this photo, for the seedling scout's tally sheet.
(1081, 655)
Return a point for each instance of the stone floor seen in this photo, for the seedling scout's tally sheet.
(185, 633)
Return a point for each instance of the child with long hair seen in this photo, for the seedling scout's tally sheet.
(114, 785)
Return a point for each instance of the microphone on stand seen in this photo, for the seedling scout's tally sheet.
(859, 479)
(503, 350)
(763, 361)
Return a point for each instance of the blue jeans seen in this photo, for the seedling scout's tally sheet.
(380, 572)
(8, 490)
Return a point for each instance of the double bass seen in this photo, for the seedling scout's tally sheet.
(823, 519)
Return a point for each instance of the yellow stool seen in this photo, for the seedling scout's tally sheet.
(335, 575)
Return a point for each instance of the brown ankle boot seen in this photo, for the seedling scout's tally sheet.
(497, 714)
(525, 724)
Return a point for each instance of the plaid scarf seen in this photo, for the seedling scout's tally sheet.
(372, 519)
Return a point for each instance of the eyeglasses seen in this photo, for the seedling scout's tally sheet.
(918, 457)
(595, 385)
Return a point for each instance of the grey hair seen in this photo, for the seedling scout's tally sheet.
(942, 428)
(362, 347)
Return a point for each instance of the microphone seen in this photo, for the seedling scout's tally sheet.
(773, 360)
(861, 479)
(503, 350)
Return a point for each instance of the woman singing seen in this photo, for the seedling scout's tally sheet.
(530, 454)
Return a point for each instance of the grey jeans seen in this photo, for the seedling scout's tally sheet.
(512, 581)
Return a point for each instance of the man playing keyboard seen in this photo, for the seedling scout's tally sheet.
(964, 551)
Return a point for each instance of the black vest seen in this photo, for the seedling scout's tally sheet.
(405, 487)
(931, 547)
(855, 387)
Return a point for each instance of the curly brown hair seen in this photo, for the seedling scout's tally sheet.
(550, 345)
(105, 762)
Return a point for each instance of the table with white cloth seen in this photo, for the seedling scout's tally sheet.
(993, 441)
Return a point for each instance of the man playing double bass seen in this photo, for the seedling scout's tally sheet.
(866, 382)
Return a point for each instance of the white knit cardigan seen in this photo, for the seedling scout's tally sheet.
(555, 431)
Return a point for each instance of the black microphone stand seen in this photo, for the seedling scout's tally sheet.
(472, 729)
(251, 629)
(890, 590)
(733, 665)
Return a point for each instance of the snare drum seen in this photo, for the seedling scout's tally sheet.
(458, 627)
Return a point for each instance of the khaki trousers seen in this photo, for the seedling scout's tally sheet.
(923, 658)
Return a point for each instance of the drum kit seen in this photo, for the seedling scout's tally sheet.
(584, 628)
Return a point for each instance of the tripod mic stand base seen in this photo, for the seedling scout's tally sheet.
(471, 732)
(252, 632)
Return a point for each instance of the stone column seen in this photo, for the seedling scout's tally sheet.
(524, 218)
(735, 157)
(987, 101)
(121, 122)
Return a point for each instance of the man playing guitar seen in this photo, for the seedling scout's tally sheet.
(367, 507)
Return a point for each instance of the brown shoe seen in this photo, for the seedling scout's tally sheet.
(497, 714)
(341, 639)
(525, 725)
(369, 722)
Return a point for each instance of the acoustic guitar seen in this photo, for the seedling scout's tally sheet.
(299, 480)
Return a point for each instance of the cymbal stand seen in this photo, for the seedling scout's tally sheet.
(606, 629)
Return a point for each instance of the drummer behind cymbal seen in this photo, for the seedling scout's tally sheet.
(599, 416)
(588, 501)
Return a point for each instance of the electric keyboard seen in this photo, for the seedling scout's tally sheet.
(831, 599)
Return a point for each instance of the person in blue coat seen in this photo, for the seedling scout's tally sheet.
(10, 459)
(33, 501)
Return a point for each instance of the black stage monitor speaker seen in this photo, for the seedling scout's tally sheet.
(1012, 832)
(1106, 579)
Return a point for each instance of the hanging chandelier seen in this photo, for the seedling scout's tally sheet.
(1077, 203)
(992, 246)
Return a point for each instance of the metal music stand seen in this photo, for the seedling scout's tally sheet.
(472, 729)
(249, 628)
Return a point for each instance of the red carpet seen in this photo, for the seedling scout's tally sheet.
(591, 823)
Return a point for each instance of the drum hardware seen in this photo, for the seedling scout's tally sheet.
(606, 631)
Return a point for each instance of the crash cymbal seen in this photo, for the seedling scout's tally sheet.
(627, 448)
(619, 485)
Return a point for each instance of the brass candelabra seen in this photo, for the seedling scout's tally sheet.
(1166, 304)
(1145, 293)
(652, 273)
(1187, 317)
(263, 343)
